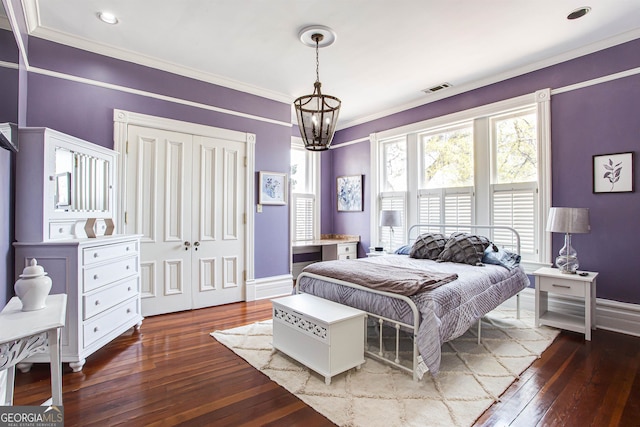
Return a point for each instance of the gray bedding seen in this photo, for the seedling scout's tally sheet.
(387, 278)
(446, 312)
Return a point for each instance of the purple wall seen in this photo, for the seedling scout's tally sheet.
(86, 111)
(595, 120)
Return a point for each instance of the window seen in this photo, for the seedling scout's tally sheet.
(304, 193)
(481, 166)
(445, 193)
(394, 184)
(515, 178)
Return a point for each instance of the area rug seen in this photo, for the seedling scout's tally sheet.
(471, 378)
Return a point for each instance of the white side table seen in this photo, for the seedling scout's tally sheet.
(551, 280)
(24, 333)
(376, 253)
(323, 335)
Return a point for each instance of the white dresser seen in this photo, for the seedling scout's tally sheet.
(65, 193)
(323, 335)
(101, 278)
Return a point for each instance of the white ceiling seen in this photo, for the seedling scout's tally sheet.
(385, 54)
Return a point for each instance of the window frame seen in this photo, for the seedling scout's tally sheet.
(312, 169)
(483, 194)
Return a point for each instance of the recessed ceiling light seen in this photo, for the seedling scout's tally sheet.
(108, 17)
(579, 13)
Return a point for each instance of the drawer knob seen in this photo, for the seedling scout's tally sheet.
(95, 329)
(127, 249)
(95, 277)
(348, 256)
(60, 230)
(128, 310)
(95, 254)
(561, 286)
(129, 289)
(346, 249)
(97, 302)
(128, 267)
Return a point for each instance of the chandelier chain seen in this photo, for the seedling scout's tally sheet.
(317, 62)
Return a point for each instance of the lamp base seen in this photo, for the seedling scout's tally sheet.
(567, 260)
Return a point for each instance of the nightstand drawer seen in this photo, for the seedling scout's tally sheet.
(563, 286)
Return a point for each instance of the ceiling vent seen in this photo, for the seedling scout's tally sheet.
(437, 88)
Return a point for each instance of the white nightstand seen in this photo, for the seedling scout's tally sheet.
(323, 335)
(551, 280)
(376, 253)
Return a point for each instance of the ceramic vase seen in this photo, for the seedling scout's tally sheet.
(32, 287)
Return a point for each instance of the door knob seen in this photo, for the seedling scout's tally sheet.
(196, 243)
(186, 245)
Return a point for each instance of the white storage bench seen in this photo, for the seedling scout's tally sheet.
(325, 336)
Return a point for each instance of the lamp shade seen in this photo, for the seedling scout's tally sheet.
(568, 220)
(390, 219)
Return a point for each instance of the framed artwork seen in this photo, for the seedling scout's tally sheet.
(613, 173)
(63, 190)
(349, 192)
(273, 188)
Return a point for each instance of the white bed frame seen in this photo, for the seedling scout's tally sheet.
(418, 369)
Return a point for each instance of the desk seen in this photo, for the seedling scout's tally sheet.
(24, 333)
(332, 247)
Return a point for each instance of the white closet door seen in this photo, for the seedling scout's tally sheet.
(159, 201)
(186, 196)
(218, 226)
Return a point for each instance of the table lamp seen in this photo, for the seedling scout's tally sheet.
(390, 219)
(568, 221)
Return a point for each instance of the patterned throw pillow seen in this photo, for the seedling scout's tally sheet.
(464, 248)
(428, 246)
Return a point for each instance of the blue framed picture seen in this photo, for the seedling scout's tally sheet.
(349, 191)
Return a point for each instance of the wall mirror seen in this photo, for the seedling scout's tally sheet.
(81, 182)
(9, 60)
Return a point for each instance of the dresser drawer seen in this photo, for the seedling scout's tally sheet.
(62, 230)
(563, 286)
(97, 328)
(348, 249)
(103, 253)
(108, 297)
(100, 275)
(348, 256)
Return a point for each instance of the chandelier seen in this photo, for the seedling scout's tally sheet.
(317, 113)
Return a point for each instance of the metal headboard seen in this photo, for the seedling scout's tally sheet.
(513, 242)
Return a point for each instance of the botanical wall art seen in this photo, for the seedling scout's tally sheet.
(349, 192)
(273, 188)
(613, 173)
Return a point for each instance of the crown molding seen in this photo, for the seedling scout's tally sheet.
(36, 29)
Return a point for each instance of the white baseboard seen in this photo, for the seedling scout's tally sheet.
(610, 315)
(269, 287)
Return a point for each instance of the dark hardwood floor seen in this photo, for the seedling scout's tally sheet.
(174, 373)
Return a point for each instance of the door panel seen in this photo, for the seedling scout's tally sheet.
(156, 168)
(219, 184)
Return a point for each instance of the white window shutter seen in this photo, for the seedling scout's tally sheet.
(515, 207)
(458, 207)
(303, 216)
(395, 201)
